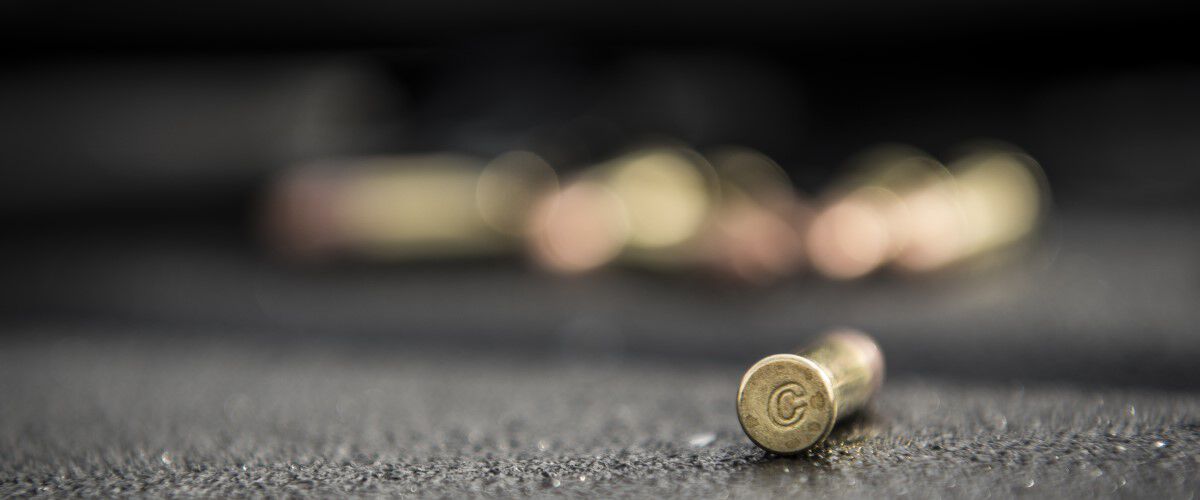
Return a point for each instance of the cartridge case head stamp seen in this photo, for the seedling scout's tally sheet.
(789, 402)
(786, 403)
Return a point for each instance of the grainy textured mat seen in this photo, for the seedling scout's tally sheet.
(214, 419)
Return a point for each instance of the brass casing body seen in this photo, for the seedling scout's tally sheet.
(789, 402)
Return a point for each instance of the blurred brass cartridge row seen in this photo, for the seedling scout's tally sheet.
(732, 211)
(647, 207)
(407, 206)
(903, 208)
(789, 402)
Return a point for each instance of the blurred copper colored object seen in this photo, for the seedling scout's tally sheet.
(867, 220)
(407, 207)
(579, 228)
(757, 231)
(648, 208)
(997, 198)
(789, 402)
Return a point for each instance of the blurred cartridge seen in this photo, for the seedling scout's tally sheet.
(649, 208)
(998, 196)
(407, 207)
(732, 211)
(865, 221)
(905, 209)
(757, 234)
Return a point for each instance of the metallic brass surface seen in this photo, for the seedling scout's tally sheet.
(789, 402)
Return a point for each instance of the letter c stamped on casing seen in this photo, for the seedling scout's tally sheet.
(787, 404)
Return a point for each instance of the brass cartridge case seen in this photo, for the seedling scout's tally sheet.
(789, 402)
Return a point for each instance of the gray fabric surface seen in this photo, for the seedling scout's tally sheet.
(1104, 293)
(219, 418)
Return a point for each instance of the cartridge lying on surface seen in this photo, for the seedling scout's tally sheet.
(789, 402)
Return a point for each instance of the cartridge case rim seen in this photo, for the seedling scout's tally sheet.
(785, 403)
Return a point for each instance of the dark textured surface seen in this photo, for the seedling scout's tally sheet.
(84, 417)
(1103, 294)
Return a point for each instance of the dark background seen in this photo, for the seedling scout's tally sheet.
(137, 139)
